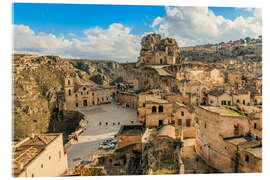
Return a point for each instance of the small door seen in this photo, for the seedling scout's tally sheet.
(160, 122)
(84, 102)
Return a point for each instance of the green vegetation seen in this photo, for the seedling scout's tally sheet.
(165, 171)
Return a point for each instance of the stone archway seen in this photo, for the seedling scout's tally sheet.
(85, 103)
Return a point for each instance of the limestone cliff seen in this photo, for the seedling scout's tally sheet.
(37, 88)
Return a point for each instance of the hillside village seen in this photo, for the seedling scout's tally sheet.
(177, 110)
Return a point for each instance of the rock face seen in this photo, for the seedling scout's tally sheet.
(156, 50)
(38, 88)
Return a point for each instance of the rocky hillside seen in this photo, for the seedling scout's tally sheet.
(36, 82)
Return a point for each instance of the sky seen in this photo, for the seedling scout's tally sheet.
(114, 32)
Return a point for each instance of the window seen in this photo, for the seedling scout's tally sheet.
(205, 125)
(182, 113)
(211, 102)
(93, 94)
(41, 165)
(160, 109)
(87, 92)
(68, 82)
(179, 122)
(33, 175)
(77, 104)
(244, 102)
(76, 95)
(229, 103)
(188, 122)
(246, 158)
(143, 105)
(84, 88)
(237, 101)
(69, 92)
(223, 102)
(154, 109)
(255, 125)
(49, 157)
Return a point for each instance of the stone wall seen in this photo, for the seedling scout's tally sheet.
(210, 131)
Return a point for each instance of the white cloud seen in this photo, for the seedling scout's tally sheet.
(116, 42)
(245, 9)
(199, 25)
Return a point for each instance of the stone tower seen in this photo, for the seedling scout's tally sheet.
(69, 93)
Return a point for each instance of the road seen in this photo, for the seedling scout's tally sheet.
(104, 121)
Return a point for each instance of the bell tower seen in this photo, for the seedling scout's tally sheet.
(69, 93)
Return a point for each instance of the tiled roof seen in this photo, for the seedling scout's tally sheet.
(26, 150)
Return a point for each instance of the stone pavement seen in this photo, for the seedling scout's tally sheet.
(104, 121)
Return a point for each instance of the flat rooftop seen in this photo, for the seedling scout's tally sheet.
(257, 152)
(154, 99)
(222, 111)
(131, 130)
(236, 141)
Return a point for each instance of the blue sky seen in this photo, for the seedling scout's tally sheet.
(79, 27)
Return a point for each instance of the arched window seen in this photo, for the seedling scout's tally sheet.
(160, 109)
(69, 92)
(154, 109)
(68, 82)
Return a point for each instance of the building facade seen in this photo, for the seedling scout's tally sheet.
(77, 96)
(40, 156)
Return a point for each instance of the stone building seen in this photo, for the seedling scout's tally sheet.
(154, 111)
(130, 99)
(156, 50)
(219, 98)
(241, 97)
(184, 119)
(234, 78)
(250, 160)
(77, 96)
(40, 156)
(221, 134)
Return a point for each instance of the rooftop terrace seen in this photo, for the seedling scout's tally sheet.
(222, 111)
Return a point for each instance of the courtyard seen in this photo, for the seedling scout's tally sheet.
(104, 121)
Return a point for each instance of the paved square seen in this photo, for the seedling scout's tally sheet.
(104, 121)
